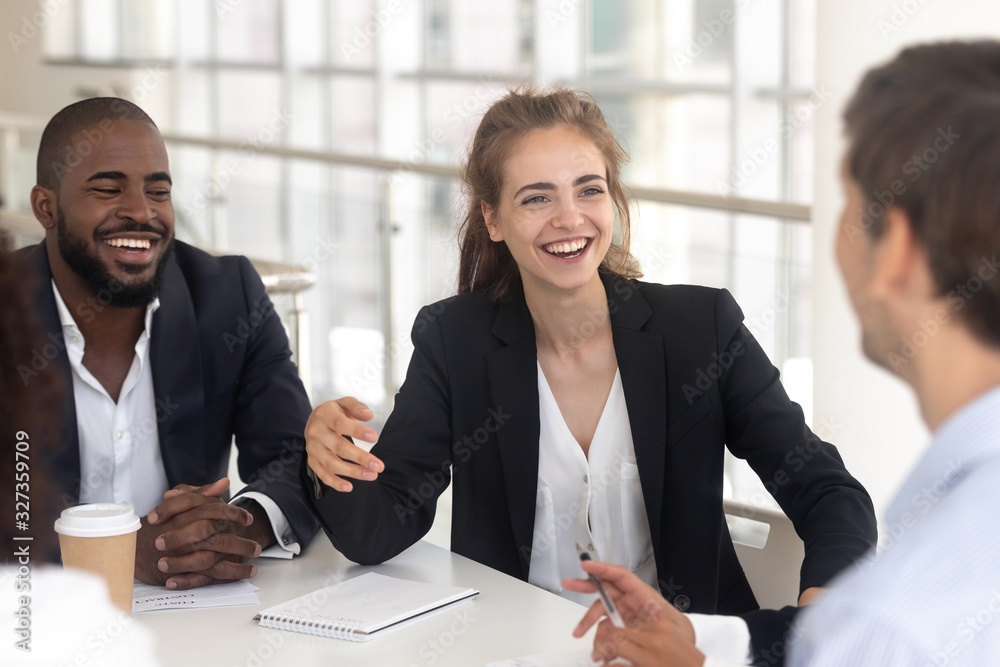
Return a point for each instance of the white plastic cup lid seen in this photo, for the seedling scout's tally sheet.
(98, 520)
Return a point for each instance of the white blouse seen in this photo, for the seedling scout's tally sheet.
(596, 502)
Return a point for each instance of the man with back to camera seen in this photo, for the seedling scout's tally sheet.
(164, 353)
(918, 247)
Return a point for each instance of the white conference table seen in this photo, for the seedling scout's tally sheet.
(509, 618)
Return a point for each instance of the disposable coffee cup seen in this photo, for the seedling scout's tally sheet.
(100, 538)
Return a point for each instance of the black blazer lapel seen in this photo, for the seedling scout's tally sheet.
(643, 369)
(65, 464)
(513, 380)
(175, 358)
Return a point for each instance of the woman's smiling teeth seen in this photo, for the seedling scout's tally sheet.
(566, 249)
(139, 244)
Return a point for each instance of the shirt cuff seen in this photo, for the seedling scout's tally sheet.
(725, 640)
(286, 545)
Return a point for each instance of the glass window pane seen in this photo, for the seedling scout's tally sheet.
(18, 181)
(304, 33)
(351, 327)
(148, 29)
(764, 262)
(250, 107)
(354, 115)
(675, 142)
(352, 33)
(192, 195)
(192, 116)
(485, 36)
(253, 205)
(194, 29)
(99, 28)
(59, 34)
(670, 40)
(453, 113)
(248, 31)
(307, 112)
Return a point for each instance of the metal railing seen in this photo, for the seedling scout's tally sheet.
(18, 123)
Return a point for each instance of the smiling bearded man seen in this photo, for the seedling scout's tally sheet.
(156, 380)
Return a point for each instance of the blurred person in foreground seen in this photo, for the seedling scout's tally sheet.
(54, 617)
(562, 395)
(165, 354)
(918, 247)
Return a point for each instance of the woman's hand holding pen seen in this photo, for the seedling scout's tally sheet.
(655, 634)
(331, 455)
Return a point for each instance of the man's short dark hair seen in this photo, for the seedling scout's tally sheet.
(57, 153)
(924, 133)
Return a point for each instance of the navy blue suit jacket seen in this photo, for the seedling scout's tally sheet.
(221, 367)
(695, 382)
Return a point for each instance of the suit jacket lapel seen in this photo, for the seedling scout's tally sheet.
(513, 380)
(643, 369)
(175, 358)
(65, 464)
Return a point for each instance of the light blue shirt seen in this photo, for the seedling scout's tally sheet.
(930, 595)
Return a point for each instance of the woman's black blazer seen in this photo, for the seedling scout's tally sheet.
(695, 381)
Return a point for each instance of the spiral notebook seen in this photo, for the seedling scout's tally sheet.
(361, 608)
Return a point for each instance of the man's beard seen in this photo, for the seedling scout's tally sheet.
(108, 289)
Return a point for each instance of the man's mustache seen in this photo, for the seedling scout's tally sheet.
(130, 226)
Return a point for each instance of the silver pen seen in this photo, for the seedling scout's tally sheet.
(609, 606)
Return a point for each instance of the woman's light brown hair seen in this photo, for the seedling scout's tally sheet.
(488, 267)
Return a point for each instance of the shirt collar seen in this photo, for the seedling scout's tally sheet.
(66, 318)
(959, 446)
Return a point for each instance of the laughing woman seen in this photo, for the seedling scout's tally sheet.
(552, 391)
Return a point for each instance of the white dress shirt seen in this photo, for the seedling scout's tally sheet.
(595, 500)
(119, 441)
(120, 458)
(930, 594)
